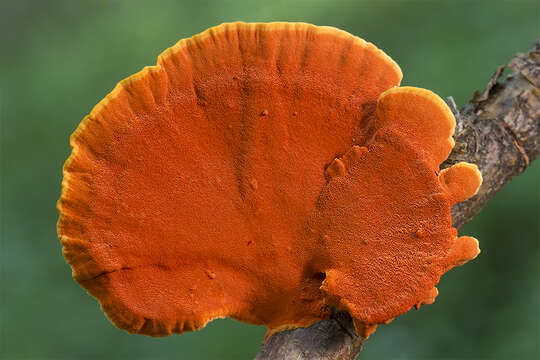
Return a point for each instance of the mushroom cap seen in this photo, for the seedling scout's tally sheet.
(263, 172)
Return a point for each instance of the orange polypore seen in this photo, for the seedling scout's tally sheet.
(264, 172)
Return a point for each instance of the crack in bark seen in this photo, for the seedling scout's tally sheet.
(335, 316)
(517, 144)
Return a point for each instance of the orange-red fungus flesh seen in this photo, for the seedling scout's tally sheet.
(264, 172)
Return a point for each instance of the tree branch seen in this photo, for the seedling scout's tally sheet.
(498, 130)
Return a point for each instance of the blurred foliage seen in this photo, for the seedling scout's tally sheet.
(59, 58)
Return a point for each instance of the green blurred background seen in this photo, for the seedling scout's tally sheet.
(59, 58)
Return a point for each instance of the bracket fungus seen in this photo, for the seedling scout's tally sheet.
(264, 172)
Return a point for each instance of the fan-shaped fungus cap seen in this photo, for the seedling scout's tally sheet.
(264, 172)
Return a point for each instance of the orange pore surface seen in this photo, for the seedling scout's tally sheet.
(253, 174)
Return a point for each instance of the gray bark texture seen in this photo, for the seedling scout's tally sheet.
(499, 131)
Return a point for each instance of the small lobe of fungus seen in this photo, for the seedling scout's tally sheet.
(336, 168)
(364, 330)
(429, 299)
(160, 186)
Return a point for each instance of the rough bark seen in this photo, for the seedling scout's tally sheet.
(498, 130)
